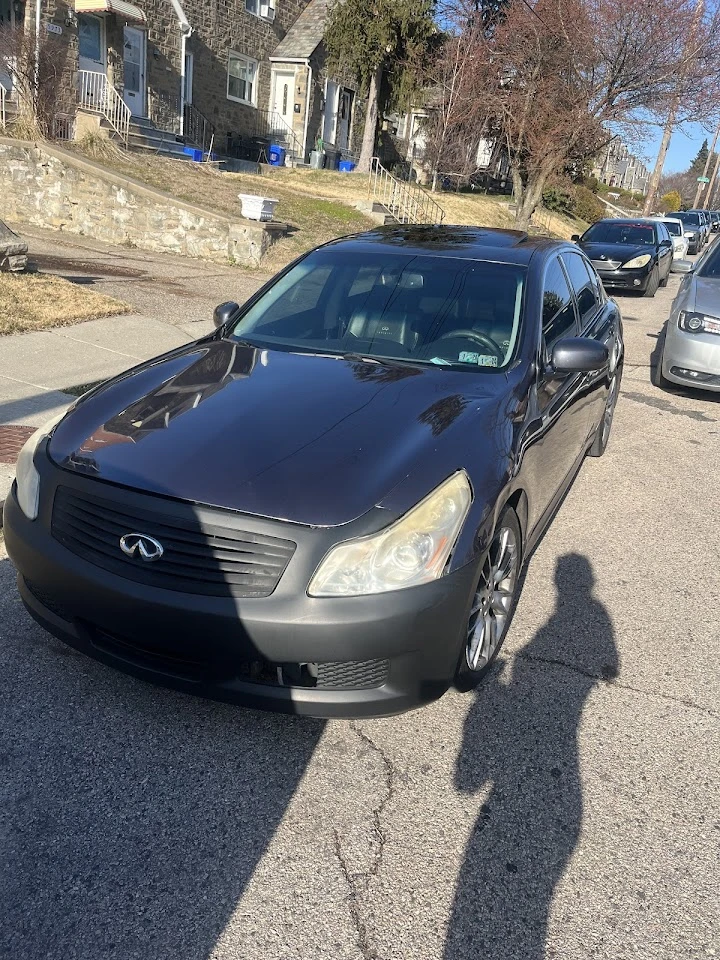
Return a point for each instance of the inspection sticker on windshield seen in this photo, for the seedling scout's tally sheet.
(481, 359)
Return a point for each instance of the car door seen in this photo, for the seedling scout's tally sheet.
(665, 250)
(558, 419)
(599, 320)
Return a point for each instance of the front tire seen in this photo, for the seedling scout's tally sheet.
(493, 603)
(602, 435)
(653, 283)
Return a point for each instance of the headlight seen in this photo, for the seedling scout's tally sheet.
(690, 235)
(642, 261)
(411, 551)
(26, 476)
(698, 323)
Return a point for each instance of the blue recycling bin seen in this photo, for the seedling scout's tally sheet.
(276, 155)
(346, 166)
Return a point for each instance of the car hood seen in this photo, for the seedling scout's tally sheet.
(616, 251)
(311, 439)
(704, 296)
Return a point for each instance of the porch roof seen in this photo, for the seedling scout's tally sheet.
(305, 34)
(120, 7)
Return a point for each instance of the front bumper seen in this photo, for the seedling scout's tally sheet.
(626, 279)
(692, 360)
(373, 656)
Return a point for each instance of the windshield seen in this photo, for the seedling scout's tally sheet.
(710, 266)
(692, 219)
(445, 311)
(674, 229)
(615, 231)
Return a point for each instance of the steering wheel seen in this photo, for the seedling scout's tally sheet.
(482, 338)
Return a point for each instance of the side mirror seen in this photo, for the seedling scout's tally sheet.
(666, 243)
(682, 266)
(575, 237)
(578, 355)
(224, 312)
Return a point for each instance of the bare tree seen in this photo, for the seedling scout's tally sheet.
(558, 78)
(35, 70)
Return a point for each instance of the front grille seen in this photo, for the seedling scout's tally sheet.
(205, 557)
(607, 264)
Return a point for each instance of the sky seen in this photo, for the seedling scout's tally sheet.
(684, 147)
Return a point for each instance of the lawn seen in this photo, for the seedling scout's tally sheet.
(319, 205)
(37, 301)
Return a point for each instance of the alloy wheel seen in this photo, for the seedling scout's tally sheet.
(493, 600)
(609, 410)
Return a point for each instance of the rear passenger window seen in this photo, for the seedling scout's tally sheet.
(558, 311)
(585, 290)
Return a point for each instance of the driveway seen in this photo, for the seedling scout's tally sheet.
(567, 810)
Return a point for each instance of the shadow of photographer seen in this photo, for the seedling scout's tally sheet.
(521, 741)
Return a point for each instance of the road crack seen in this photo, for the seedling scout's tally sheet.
(611, 680)
(358, 882)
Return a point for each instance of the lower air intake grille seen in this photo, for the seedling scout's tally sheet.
(354, 675)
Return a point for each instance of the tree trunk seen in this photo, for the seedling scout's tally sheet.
(528, 196)
(367, 151)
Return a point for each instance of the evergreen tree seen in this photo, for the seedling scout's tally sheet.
(381, 43)
(698, 164)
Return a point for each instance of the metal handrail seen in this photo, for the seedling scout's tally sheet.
(99, 96)
(197, 128)
(408, 204)
(270, 124)
(3, 94)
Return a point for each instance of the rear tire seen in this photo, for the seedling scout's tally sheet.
(653, 284)
(493, 604)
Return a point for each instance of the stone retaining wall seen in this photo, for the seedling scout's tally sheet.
(49, 187)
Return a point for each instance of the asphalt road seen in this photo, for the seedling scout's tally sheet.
(569, 809)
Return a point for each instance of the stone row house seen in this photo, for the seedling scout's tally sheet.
(241, 73)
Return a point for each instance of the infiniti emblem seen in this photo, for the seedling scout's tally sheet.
(148, 548)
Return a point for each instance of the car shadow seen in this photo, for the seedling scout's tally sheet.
(520, 745)
(132, 817)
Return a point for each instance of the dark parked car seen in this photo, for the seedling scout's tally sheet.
(629, 254)
(324, 507)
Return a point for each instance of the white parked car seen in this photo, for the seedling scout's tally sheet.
(677, 233)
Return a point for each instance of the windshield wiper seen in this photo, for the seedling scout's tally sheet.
(384, 361)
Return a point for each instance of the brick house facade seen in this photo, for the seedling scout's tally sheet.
(245, 65)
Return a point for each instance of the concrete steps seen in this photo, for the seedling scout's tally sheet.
(145, 137)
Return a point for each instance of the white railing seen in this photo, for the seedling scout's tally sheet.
(407, 203)
(3, 94)
(99, 96)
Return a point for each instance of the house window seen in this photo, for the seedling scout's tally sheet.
(242, 74)
(261, 8)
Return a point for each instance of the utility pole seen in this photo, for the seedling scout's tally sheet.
(660, 162)
(701, 185)
(670, 122)
(712, 186)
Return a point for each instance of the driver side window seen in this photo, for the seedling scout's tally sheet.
(558, 311)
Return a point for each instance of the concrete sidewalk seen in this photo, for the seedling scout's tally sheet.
(36, 368)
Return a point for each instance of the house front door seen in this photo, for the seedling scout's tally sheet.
(283, 97)
(134, 67)
(342, 137)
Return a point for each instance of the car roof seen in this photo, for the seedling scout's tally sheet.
(447, 240)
